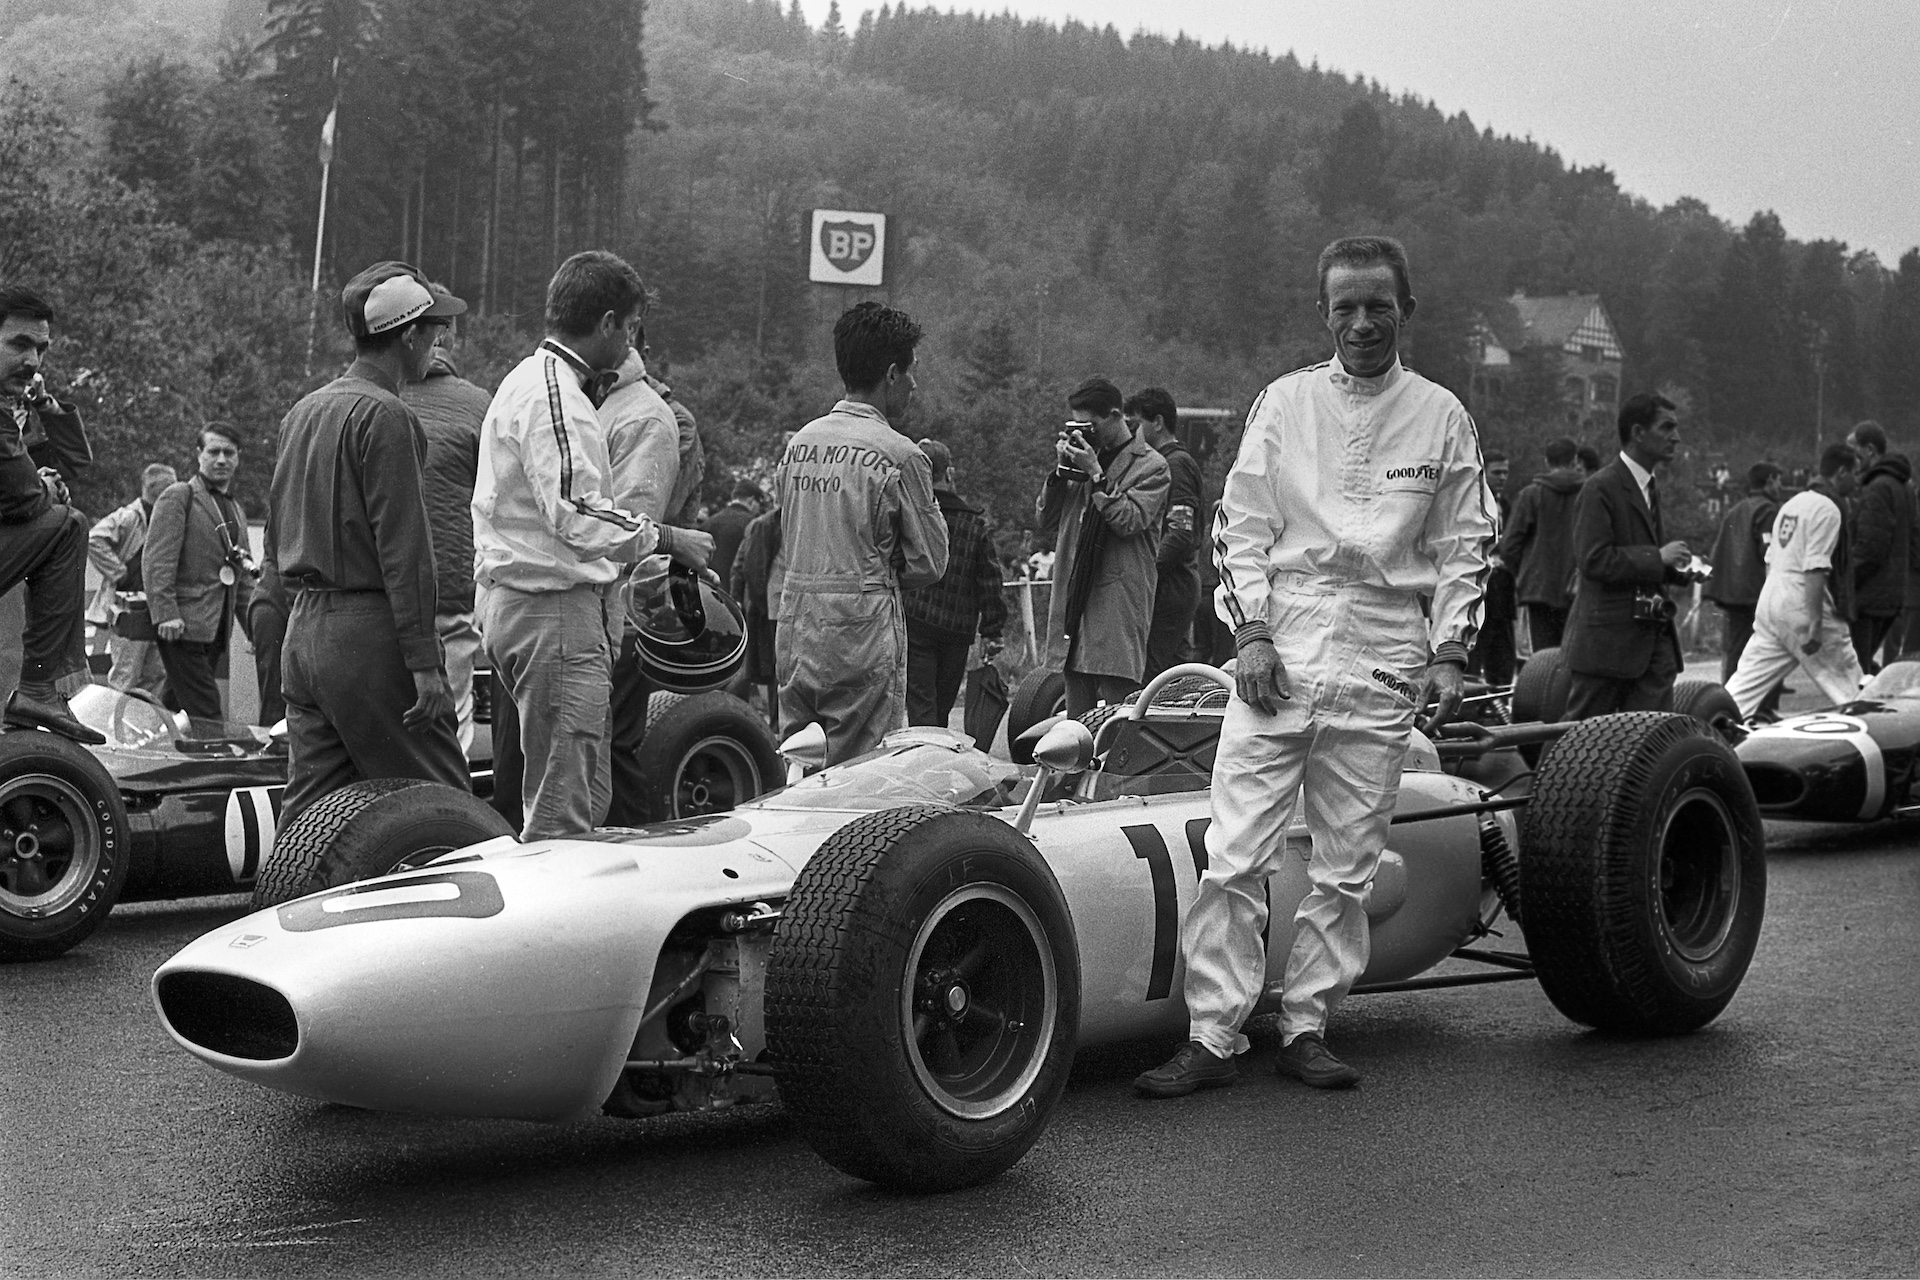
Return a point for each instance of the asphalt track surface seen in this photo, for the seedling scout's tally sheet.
(1490, 1137)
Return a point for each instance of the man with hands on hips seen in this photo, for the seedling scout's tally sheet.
(1358, 490)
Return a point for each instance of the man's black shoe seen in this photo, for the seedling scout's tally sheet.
(55, 716)
(1194, 1067)
(1306, 1059)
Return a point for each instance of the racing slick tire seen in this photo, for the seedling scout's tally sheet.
(1706, 701)
(1643, 870)
(704, 753)
(367, 829)
(1040, 695)
(923, 998)
(63, 844)
(1540, 696)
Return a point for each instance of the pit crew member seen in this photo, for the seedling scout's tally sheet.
(1359, 488)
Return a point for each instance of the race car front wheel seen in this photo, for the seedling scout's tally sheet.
(923, 997)
(63, 844)
(368, 829)
(1643, 870)
(1540, 696)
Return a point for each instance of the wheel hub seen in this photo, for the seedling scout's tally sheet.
(945, 997)
(26, 844)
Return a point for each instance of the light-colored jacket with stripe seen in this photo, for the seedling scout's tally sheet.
(1375, 481)
(543, 519)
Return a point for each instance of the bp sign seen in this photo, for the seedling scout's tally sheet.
(848, 248)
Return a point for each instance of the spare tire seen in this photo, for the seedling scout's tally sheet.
(1040, 695)
(1706, 701)
(704, 753)
(923, 998)
(1643, 871)
(63, 844)
(368, 829)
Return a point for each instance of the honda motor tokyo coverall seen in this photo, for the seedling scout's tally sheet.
(1807, 540)
(860, 522)
(1350, 500)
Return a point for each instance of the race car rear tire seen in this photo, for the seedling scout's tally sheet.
(704, 753)
(63, 844)
(923, 998)
(1706, 701)
(1040, 695)
(367, 829)
(1540, 696)
(1643, 870)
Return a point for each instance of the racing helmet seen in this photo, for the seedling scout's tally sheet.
(690, 635)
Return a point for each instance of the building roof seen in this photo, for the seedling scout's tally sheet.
(1568, 321)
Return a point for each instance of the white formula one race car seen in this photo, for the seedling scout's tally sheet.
(907, 948)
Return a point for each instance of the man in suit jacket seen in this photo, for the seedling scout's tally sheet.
(199, 576)
(1619, 659)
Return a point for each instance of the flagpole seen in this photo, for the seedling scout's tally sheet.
(320, 231)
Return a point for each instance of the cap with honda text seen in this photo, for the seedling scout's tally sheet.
(390, 294)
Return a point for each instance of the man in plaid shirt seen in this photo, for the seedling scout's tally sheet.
(942, 618)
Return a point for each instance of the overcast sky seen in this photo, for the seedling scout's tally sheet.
(1807, 107)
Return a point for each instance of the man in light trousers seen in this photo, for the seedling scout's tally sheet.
(1359, 488)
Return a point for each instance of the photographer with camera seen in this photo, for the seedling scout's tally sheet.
(1621, 645)
(199, 576)
(1807, 600)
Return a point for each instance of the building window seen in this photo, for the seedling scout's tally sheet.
(1605, 389)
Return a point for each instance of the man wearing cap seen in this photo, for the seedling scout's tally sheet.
(1102, 503)
(365, 685)
(549, 542)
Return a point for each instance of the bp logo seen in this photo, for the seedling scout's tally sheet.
(847, 245)
(1787, 525)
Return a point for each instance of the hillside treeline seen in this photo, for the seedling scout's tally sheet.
(1063, 201)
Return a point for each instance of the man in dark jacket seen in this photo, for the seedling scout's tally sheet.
(1494, 653)
(1177, 590)
(1621, 645)
(1537, 547)
(43, 539)
(199, 576)
(1883, 524)
(1740, 560)
(451, 410)
(943, 617)
(729, 524)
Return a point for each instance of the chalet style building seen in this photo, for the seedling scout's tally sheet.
(1573, 325)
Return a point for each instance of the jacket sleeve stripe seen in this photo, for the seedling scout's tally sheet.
(556, 413)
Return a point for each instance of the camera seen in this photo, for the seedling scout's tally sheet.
(1653, 607)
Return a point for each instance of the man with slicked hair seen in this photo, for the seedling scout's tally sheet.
(859, 522)
(1358, 492)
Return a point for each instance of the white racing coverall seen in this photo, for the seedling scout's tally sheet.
(1805, 533)
(1350, 499)
(858, 523)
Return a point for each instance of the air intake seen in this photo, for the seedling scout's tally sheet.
(222, 1014)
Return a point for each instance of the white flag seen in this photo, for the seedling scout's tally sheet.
(326, 135)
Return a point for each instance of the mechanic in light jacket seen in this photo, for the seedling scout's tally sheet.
(859, 522)
(1358, 489)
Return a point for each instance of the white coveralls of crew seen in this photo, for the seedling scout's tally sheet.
(1351, 498)
(859, 522)
(547, 545)
(1805, 533)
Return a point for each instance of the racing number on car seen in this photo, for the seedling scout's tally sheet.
(1149, 845)
(252, 815)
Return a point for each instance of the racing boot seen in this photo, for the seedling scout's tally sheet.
(1307, 1060)
(1194, 1067)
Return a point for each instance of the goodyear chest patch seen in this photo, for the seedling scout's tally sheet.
(1394, 684)
(1421, 471)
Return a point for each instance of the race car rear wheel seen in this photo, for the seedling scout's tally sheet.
(1643, 870)
(704, 753)
(1706, 701)
(923, 997)
(1040, 695)
(368, 829)
(1540, 696)
(63, 844)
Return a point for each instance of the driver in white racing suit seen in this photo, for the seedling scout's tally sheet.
(1358, 490)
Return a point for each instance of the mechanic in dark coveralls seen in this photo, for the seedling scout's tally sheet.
(366, 687)
(43, 539)
(859, 522)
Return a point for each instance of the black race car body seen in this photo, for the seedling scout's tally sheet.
(1853, 763)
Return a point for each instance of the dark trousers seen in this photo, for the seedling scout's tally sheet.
(49, 554)
(1546, 626)
(936, 664)
(1870, 631)
(628, 707)
(190, 675)
(1175, 597)
(1591, 695)
(1085, 692)
(1493, 653)
(267, 629)
(347, 689)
